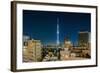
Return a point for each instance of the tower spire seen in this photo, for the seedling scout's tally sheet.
(57, 31)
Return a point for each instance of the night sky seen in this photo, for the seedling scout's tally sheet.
(42, 25)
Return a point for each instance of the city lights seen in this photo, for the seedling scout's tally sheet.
(55, 38)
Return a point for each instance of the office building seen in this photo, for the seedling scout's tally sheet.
(83, 38)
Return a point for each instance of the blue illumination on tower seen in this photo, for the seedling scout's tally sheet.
(57, 31)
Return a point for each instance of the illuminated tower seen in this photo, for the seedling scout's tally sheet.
(58, 42)
(57, 31)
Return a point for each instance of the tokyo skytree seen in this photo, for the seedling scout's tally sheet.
(58, 32)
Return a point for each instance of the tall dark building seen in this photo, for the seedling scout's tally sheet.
(67, 38)
(83, 38)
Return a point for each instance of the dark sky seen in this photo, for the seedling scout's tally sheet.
(42, 25)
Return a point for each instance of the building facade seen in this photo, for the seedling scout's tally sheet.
(65, 52)
(83, 38)
(33, 51)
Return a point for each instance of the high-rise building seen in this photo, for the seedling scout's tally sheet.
(33, 52)
(83, 38)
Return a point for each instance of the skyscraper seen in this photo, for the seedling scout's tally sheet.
(33, 51)
(83, 38)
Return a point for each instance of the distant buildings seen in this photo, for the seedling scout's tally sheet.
(65, 52)
(83, 48)
(80, 51)
(25, 40)
(67, 43)
(32, 51)
(84, 38)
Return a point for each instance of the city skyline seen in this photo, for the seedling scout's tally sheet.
(43, 25)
